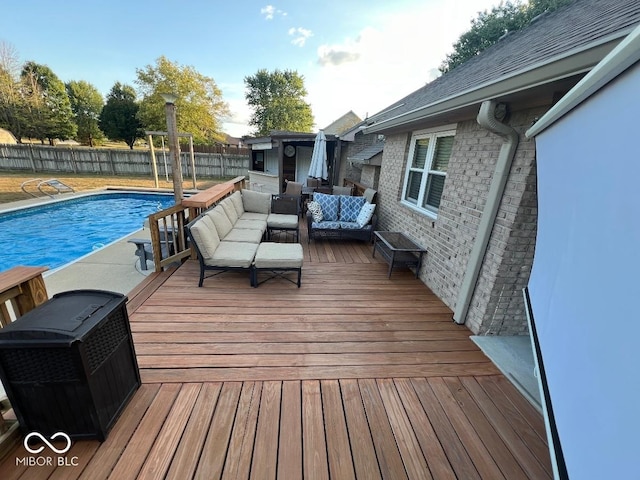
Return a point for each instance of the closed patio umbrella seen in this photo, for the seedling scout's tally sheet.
(318, 167)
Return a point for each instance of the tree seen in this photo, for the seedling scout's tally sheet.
(277, 100)
(10, 98)
(119, 116)
(86, 105)
(489, 27)
(48, 112)
(200, 108)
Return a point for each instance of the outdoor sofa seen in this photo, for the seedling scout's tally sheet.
(227, 236)
(342, 216)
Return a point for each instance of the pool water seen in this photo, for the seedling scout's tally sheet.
(57, 233)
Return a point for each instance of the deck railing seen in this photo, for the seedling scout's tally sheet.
(168, 226)
(21, 289)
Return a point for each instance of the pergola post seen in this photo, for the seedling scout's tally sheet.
(174, 145)
(154, 166)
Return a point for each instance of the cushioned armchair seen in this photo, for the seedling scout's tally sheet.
(338, 190)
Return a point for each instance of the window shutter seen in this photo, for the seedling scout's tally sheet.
(444, 146)
(420, 153)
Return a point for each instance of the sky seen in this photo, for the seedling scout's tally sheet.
(356, 55)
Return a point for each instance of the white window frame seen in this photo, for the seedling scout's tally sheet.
(427, 171)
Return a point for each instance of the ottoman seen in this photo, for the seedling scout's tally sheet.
(277, 258)
(280, 222)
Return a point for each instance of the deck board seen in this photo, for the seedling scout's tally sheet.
(353, 375)
(187, 455)
(315, 463)
(290, 442)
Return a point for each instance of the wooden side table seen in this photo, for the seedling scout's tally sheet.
(398, 250)
(23, 288)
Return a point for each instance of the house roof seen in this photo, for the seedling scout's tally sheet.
(229, 140)
(287, 136)
(367, 153)
(7, 137)
(342, 124)
(555, 46)
(625, 55)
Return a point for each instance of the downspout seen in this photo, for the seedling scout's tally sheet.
(487, 119)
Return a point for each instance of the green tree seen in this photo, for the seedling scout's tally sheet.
(488, 27)
(48, 110)
(86, 105)
(119, 116)
(277, 100)
(200, 108)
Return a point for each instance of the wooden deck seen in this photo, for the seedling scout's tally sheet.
(351, 376)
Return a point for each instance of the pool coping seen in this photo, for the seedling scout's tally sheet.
(124, 274)
(40, 201)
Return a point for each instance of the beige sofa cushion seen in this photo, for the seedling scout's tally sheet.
(257, 202)
(254, 216)
(251, 224)
(279, 255)
(244, 235)
(282, 220)
(230, 210)
(206, 237)
(236, 199)
(220, 220)
(233, 254)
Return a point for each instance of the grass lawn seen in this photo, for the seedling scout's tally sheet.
(10, 183)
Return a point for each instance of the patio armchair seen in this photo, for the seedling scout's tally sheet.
(294, 189)
(338, 190)
(313, 182)
(285, 210)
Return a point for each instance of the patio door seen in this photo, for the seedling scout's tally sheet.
(289, 163)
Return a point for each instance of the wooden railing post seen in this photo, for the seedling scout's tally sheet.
(168, 224)
(23, 289)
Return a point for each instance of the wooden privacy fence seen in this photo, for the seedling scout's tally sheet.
(79, 160)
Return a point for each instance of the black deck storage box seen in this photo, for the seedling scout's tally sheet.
(69, 365)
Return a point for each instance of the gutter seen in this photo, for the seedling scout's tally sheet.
(626, 54)
(573, 62)
(487, 119)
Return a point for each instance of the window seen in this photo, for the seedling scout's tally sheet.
(258, 162)
(429, 156)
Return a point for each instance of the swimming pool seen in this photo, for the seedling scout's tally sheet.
(60, 232)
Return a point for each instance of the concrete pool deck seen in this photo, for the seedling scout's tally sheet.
(114, 268)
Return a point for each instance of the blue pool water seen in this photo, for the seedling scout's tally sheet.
(57, 233)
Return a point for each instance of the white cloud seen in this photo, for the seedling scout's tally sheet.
(300, 36)
(270, 12)
(379, 65)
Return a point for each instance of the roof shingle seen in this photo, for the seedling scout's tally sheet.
(576, 26)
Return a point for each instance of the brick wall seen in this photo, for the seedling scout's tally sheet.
(357, 172)
(370, 176)
(497, 306)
